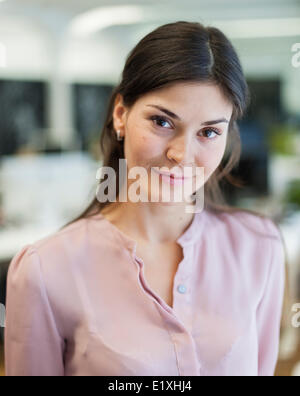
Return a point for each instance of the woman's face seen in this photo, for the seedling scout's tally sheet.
(195, 135)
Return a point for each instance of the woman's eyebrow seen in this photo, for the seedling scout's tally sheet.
(176, 117)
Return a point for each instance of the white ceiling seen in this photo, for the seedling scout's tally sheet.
(33, 31)
(75, 5)
(56, 15)
(208, 8)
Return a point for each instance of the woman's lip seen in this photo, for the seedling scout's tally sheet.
(171, 175)
(177, 177)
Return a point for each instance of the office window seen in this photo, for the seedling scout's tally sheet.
(90, 103)
(22, 115)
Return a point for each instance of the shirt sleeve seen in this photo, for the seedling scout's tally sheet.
(33, 345)
(269, 311)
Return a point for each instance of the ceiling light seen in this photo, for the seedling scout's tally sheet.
(92, 21)
(100, 18)
(254, 28)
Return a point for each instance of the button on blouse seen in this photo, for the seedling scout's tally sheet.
(181, 289)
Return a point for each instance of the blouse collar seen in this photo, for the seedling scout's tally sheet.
(191, 235)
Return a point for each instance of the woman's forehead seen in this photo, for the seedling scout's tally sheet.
(182, 99)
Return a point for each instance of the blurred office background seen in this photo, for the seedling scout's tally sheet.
(59, 61)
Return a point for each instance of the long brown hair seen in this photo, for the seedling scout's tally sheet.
(184, 51)
(178, 52)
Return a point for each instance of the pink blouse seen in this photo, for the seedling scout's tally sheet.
(78, 303)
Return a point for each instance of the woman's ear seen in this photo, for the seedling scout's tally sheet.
(119, 114)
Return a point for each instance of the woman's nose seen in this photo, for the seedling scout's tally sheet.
(180, 151)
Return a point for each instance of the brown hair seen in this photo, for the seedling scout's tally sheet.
(178, 52)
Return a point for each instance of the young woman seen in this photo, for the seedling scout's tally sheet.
(146, 288)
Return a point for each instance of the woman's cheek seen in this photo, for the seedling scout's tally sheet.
(147, 149)
(210, 160)
(135, 147)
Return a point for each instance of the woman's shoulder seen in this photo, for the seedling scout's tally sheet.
(69, 235)
(69, 246)
(55, 248)
(252, 240)
(245, 222)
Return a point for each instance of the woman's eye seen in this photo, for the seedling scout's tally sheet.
(209, 131)
(159, 121)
